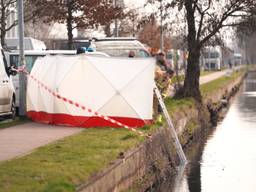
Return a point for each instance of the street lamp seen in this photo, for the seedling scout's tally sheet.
(22, 77)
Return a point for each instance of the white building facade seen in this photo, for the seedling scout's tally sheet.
(13, 32)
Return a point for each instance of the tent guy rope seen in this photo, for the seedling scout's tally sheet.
(22, 69)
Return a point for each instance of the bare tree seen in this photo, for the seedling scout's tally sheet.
(246, 36)
(150, 34)
(129, 25)
(204, 20)
(8, 7)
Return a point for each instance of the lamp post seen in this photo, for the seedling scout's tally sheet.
(22, 77)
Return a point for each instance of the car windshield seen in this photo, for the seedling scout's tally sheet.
(121, 48)
(125, 52)
(78, 44)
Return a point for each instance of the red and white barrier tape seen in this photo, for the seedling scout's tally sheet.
(78, 105)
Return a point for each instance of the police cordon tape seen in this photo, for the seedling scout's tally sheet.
(22, 69)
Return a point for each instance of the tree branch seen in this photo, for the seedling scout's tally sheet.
(202, 13)
(12, 25)
(236, 6)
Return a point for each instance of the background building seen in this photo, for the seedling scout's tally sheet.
(13, 32)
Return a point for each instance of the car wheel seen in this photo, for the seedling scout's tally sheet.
(13, 110)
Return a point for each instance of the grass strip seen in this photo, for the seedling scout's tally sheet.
(10, 123)
(220, 83)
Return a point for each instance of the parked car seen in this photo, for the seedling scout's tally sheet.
(7, 91)
(115, 47)
(121, 47)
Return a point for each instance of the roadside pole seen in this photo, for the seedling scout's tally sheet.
(22, 77)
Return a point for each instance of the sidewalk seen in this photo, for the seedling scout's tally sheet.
(204, 79)
(212, 76)
(22, 139)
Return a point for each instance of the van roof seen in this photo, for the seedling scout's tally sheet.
(55, 52)
(29, 43)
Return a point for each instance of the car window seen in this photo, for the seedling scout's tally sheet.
(121, 48)
(76, 45)
(143, 53)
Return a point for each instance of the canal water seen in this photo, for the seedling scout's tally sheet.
(226, 162)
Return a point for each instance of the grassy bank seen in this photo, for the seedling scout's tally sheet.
(62, 165)
(66, 163)
(220, 83)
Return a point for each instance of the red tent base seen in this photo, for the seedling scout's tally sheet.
(83, 121)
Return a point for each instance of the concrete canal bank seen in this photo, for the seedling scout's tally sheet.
(155, 159)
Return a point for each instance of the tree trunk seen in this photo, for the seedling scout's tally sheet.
(69, 25)
(191, 83)
(3, 23)
(107, 30)
(3, 34)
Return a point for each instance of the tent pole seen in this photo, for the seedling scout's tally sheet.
(175, 138)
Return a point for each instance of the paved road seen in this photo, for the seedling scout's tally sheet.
(22, 139)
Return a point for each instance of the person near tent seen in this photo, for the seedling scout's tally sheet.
(131, 54)
(230, 64)
(163, 75)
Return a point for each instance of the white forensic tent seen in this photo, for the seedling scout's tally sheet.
(119, 88)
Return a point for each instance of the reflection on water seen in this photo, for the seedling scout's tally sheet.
(228, 160)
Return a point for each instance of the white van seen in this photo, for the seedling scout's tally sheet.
(29, 44)
(7, 92)
(30, 58)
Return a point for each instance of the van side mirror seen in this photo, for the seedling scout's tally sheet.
(11, 71)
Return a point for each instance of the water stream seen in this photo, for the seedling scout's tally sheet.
(226, 162)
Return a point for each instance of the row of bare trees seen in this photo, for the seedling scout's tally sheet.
(84, 14)
(7, 8)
